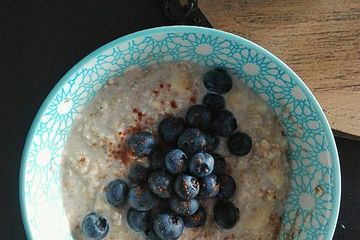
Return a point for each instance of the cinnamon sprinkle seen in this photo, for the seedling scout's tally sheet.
(140, 114)
(173, 104)
(122, 153)
(156, 92)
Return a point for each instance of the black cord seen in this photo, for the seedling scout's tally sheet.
(188, 14)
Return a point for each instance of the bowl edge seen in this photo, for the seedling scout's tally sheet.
(181, 28)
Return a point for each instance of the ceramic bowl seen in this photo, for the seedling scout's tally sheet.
(312, 206)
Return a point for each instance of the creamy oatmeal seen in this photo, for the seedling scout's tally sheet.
(95, 154)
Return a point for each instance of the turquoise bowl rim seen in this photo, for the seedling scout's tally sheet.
(307, 92)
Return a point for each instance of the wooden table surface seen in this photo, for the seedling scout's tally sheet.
(318, 39)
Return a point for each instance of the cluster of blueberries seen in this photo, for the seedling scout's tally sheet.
(164, 198)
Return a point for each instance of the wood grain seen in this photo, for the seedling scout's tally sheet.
(319, 40)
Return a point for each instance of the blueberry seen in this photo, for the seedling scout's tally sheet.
(157, 158)
(219, 164)
(138, 221)
(183, 207)
(170, 128)
(199, 116)
(209, 187)
(218, 81)
(212, 142)
(176, 161)
(167, 225)
(161, 206)
(186, 186)
(192, 140)
(141, 198)
(214, 102)
(198, 219)
(151, 235)
(94, 226)
(138, 175)
(224, 123)
(227, 186)
(201, 164)
(239, 144)
(141, 143)
(160, 183)
(116, 192)
(226, 214)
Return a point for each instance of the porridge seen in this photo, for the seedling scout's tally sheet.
(96, 152)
